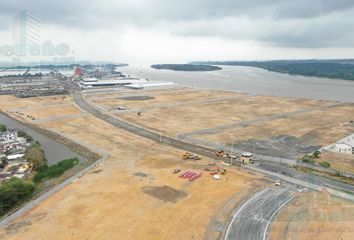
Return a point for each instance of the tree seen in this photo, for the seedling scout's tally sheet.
(35, 155)
(23, 134)
(308, 159)
(3, 162)
(325, 164)
(13, 191)
(316, 154)
(3, 128)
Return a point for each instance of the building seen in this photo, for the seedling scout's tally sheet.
(246, 157)
(94, 82)
(345, 145)
(26, 33)
(78, 72)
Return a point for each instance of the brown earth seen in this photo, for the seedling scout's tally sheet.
(339, 161)
(315, 215)
(112, 202)
(177, 120)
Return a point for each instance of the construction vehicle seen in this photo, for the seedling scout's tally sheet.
(220, 153)
(190, 156)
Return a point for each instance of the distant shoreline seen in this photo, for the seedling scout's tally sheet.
(186, 67)
(332, 69)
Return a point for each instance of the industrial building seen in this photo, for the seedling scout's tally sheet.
(94, 82)
(345, 145)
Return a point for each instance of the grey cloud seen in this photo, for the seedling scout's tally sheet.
(276, 22)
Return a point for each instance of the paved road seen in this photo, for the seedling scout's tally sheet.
(252, 220)
(210, 152)
(142, 131)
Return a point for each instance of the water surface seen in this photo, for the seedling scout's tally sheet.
(253, 80)
(54, 151)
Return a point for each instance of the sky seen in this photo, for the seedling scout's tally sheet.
(175, 31)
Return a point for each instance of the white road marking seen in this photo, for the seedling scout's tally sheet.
(244, 205)
(270, 219)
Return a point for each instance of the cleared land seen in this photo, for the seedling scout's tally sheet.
(176, 120)
(134, 195)
(339, 161)
(52, 111)
(281, 127)
(315, 216)
(156, 98)
(11, 102)
(297, 135)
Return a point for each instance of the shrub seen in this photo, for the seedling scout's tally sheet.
(308, 159)
(23, 134)
(316, 154)
(55, 170)
(325, 164)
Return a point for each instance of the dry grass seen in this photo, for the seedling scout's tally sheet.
(339, 161)
(181, 119)
(320, 127)
(315, 216)
(51, 112)
(11, 102)
(111, 204)
(159, 97)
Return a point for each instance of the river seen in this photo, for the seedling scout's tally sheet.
(54, 151)
(253, 80)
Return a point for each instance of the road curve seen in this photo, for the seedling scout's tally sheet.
(268, 168)
(80, 102)
(252, 220)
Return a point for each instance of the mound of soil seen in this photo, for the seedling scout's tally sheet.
(165, 193)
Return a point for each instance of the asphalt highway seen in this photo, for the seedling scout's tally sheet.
(209, 152)
(252, 220)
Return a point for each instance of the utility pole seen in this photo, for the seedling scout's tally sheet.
(232, 148)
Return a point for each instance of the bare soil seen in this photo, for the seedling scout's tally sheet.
(315, 215)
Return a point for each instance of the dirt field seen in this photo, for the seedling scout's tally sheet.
(51, 111)
(341, 162)
(134, 195)
(157, 97)
(251, 122)
(302, 133)
(177, 120)
(315, 216)
(11, 102)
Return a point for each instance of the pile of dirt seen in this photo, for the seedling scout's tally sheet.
(165, 193)
(137, 98)
(140, 174)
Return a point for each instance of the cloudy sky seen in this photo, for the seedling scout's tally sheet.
(154, 31)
